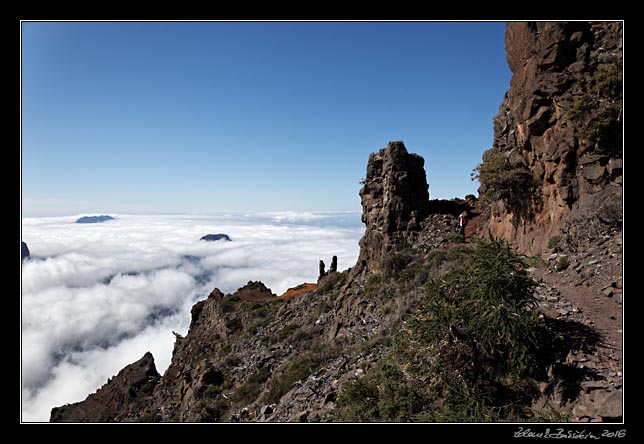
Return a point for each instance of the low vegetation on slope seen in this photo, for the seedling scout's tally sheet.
(472, 352)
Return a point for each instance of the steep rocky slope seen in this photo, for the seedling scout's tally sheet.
(111, 402)
(253, 356)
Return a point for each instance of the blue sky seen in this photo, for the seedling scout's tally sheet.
(211, 116)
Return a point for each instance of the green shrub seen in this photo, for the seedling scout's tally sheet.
(287, 331)
(374, 283)
(259, 324)
(534, 262)
(554, 241)
(214, 410)
(597, 112)
(260, 376)
(415, 275)
(297, 370)
(280, 385)
(581, 107)
(485, 302)
(227, 307)
(247, 392)
(232, 361)
(229, 303)
(396, 262)
(383, 395)
(502, 179)
(323, 308)
(509, 181)
(250, 389)
(562, 263)
(455, 237)
(234, 324)
(471, 353)
(300, 335)
(458, 253)
(481, 322)
(332, 280)
(212, 391)
(437, 260)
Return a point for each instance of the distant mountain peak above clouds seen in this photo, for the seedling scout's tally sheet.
(215, 237)
(94, 219)
(24, 251)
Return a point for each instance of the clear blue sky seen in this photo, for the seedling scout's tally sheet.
(211, 116)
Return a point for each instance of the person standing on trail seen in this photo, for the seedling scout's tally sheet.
(462, 222)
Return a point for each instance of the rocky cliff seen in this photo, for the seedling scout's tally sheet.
(557, 136)
(395, 201)
(116, 398)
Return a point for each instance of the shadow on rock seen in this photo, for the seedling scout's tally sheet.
(570, 338)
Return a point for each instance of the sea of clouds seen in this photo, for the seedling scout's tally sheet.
(96, 297)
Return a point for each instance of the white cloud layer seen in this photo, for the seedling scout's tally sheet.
(96, 297)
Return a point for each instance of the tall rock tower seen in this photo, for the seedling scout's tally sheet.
(394, 201)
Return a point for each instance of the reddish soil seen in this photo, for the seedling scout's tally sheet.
(289, 294)
(298, 291)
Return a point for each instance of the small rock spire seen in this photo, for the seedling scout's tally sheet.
(334, 265)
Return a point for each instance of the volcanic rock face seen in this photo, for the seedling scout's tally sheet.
(395, 201)
(561, 118)
(115, 398)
